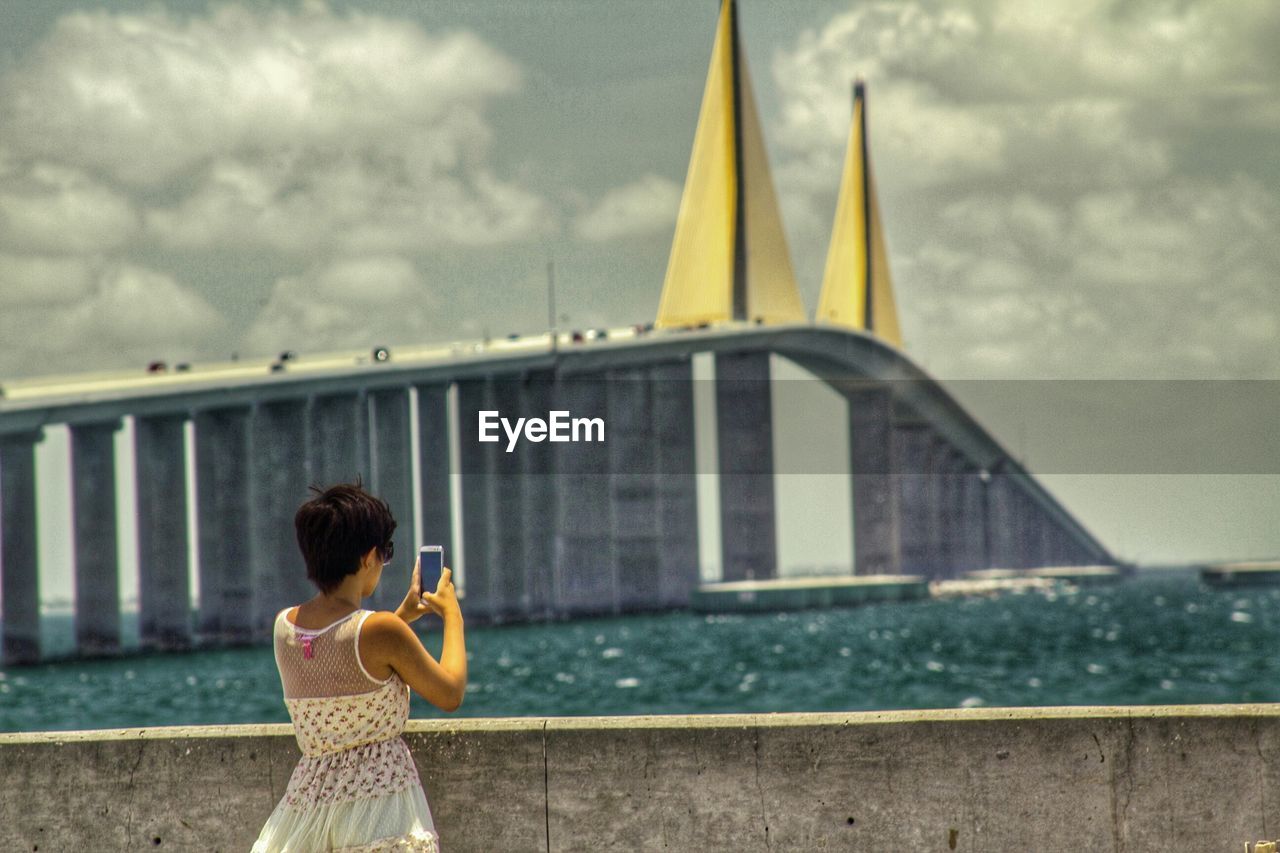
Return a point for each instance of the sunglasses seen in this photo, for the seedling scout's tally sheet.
(386, 552)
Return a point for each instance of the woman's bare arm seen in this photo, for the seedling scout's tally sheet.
(392, 642)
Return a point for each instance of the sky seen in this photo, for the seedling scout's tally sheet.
(1071, 189)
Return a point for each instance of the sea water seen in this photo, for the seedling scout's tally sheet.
(1158, 639)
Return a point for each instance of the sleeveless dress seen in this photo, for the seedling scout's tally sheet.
(356, 788)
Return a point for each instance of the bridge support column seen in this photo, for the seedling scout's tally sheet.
(338, 439)
(1085, 556)
(632, 447)
(744, 430)
(1028, 538)
(97, 571)
(223, 521)
(972, 531)
(911, 445)
(1057, 549)
(391, 461)
(1037, 536)
(435, 502)
(951, 529)
(278, 486)
(508, 522)
(541, 499)
(476, 460)
(587, 582)
(1072, 553)
(1002, 522)
(677, 484)
(589, 566)
(937, 471)
(1026, 534)
(873, 463)
(164, 588)
(19, 559)
(1042, 536)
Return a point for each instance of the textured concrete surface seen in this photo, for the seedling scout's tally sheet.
(744, 452)
(93, 522)
(1194, 778)
(224, 505)
(164, 583)
(19, 556)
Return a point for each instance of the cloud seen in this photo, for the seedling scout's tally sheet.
(352, 302)
(960, 97)
(346, 204)
(1174, 281)
(47, 207)
(815, 75)
(641, 207)
(39, 281)
(291, 130)
(333, 144)
(167, 93)
(57, 314)
(1042, 213)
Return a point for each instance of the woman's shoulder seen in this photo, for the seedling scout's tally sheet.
(383, 636)
(382, 624)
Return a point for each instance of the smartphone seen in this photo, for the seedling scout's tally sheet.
(431, 565)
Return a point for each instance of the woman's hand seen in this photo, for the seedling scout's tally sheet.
(413, 606)
(444, 601)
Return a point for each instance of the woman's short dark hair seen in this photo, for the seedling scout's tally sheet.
(337, 527)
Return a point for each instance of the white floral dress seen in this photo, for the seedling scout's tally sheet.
(356, 788)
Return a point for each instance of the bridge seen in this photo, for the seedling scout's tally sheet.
(548, 529)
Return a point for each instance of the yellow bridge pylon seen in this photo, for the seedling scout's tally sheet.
(729, 258)
(856, 288)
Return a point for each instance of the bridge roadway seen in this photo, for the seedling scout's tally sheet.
(548, 531)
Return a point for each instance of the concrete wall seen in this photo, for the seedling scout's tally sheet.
(1193, 778)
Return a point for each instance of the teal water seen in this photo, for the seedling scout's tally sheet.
(1152, 640)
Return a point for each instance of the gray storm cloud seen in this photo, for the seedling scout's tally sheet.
(152, 141)
(1044, 213)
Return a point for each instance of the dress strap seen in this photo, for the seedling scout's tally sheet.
(364, 614)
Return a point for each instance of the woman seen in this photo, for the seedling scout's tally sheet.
(346, 674)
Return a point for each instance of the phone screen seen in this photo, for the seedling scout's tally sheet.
(431, 562)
